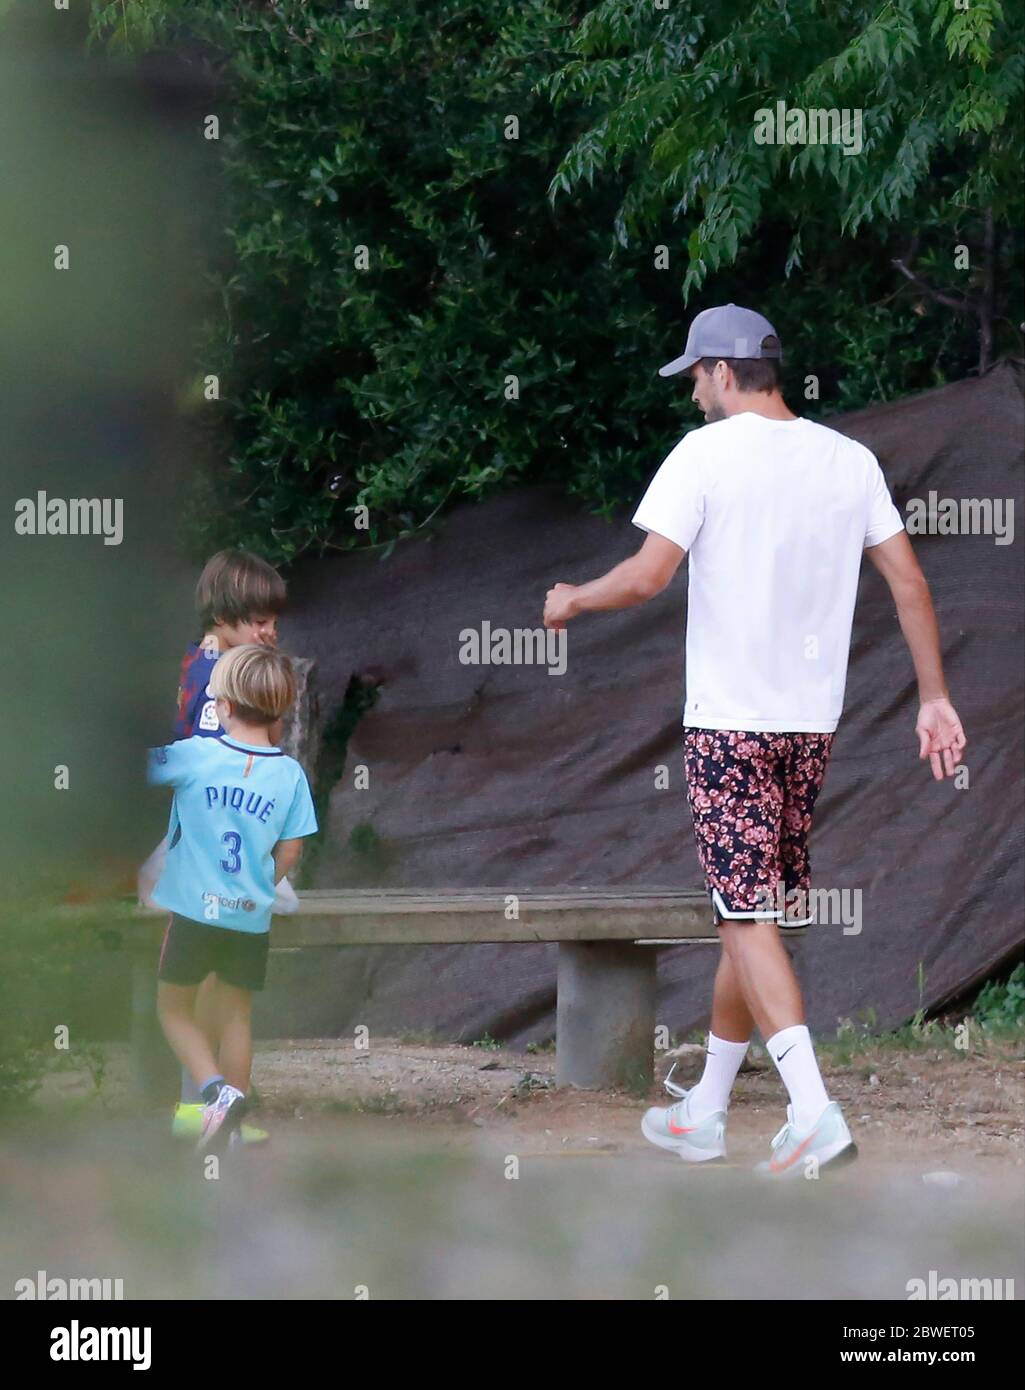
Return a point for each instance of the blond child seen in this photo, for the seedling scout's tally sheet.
(241, 807)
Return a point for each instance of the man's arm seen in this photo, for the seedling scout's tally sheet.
(940, 736)
(634, 581)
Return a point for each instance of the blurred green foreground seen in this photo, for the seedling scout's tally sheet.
(337, 1206)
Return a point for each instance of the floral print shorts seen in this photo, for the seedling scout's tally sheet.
(751, 796)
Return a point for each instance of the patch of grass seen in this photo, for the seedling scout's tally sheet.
(966, 1037)
(46, 956)
(363, 838)
(487, 1042)
(1000, 1005)
(88, 1059)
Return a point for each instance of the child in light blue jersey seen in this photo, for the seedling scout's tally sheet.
(241, 808)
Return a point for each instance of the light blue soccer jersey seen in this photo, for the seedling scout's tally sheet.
(232, 803)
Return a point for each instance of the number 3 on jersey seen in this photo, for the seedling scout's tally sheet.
(233, 840)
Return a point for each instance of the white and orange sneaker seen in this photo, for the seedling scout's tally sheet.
(672, 1127)
(797, 1153)
(221, 1118)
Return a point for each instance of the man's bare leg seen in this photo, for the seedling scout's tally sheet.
(731, 1018)
(728, 1037)
(762, 970)
(773, 996)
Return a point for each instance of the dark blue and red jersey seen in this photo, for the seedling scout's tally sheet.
(197, 712)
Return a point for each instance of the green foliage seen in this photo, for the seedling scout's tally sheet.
(363, 838)
(487, 258)
(387, 387)
(45, 958)
(1002, 1005)
(940, 88)
(997, 1016)
(21, 1071)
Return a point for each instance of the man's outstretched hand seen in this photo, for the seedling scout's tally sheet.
(940, 737)
(559, 605)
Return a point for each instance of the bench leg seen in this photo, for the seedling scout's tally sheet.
(606, 1015)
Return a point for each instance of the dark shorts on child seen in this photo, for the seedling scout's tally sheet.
(751, 796)
(192, 951)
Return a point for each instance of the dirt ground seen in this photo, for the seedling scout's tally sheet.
(423, 1171)
(931, 1107)
(935, 1107)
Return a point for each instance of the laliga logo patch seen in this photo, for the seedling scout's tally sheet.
(208, 718)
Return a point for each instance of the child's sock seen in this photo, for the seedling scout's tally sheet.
(722, 1062)
(190, 1093)
(791, 1049)
(211, 1089)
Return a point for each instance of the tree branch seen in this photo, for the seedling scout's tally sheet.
(961, 304)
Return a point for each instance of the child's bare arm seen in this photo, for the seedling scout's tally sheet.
(287, 854)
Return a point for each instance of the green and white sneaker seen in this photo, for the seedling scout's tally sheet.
(827, 1142)
(221, 1118)
(673, 1128)
(188, 1124)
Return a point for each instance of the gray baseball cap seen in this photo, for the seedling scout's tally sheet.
(726, 331)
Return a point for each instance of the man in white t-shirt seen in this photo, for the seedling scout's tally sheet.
(774, 513)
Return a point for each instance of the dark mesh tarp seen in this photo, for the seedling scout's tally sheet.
(508, 776)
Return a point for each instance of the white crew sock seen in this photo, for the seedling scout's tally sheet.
(791, 1049)
(722, 1062)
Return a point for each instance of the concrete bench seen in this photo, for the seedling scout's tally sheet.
(606, 969)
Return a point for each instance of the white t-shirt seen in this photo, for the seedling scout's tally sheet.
(774, 515)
